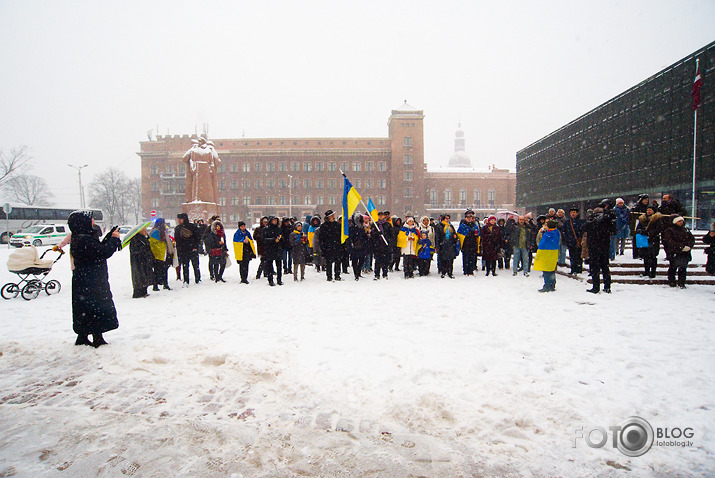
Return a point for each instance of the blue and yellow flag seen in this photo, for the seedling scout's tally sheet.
(372, 209)
(351, 199)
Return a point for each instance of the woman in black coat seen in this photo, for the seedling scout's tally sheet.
(93, 310)
(142, 262)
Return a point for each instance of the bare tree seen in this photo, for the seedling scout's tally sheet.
(31, 190)
(108, 191)
(12, 163)
(134, 193)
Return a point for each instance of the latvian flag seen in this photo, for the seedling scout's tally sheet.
(696, 86)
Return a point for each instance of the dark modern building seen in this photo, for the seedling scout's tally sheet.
(641, 141)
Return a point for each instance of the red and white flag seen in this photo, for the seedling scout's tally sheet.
(697, 83)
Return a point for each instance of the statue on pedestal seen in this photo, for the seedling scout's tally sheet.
(201, 200)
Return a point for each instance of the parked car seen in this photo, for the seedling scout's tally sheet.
(40, 235)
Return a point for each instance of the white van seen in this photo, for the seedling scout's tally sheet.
(40, 235)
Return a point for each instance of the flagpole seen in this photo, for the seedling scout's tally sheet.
(373, 221)
(695, 145)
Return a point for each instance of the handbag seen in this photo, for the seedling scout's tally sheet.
(641, 241)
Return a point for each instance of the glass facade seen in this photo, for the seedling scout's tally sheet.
(638, 142)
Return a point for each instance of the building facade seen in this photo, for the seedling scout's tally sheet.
(641, 141)
(301, 176)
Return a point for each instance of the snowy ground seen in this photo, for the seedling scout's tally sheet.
(429, 377)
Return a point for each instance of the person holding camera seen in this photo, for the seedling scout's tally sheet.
(93, 311)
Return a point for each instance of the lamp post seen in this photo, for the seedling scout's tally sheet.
(290, 196)
(81, 191)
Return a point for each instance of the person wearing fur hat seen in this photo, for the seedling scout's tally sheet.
(217, 250)
(407, 241)
(299, 250)
(623, 219)
(187, 246)
(243, 250)
(491, 243)
(599, 227)
(649, 225)
(93, 309)
(330, 245)
(678, 241)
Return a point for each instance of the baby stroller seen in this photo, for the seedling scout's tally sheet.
(25, 263)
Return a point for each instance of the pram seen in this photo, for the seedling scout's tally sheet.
(25, 263)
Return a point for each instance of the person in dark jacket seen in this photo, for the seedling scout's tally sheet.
(218, 250)
(670, 206)
(599, 227)
(93, 309)
(650, 225)
(396, 223)
(203, 229)
(678, 241)
(330, 246)
(640, 208)
(299, 250)
(258, 236)
(446, 246)
(358, 244)
(381, 236)
(571, 235)
(491, 243)
(287, 256)
(271, 237)
(504, 260)
(709, 240)
(187, 240)
(242, 247)
(469, 229)
(141, 260)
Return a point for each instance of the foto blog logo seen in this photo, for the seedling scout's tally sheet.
(632, 437)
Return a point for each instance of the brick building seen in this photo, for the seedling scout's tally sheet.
(299, 176)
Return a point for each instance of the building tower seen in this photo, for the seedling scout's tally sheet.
(407, 166)
(460, 159)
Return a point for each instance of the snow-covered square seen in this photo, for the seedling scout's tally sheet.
(476, 376)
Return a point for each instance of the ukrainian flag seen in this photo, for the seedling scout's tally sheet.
(372, 209)
(351, 199)
(548, 253)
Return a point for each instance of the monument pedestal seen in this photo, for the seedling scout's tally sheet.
(200, 210)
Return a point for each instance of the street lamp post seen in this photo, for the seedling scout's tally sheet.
(290, 196)
(81, 191)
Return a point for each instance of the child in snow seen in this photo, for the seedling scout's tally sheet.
(424, 253)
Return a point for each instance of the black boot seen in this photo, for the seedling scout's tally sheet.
(98, 340)
(82, 340)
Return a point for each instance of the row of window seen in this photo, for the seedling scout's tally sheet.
(357, 166)
(434, 197)
(380, 200)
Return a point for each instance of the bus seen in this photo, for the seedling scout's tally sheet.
(22, 217)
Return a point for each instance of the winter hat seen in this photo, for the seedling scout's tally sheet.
(469, 213)
(574, 209)
(620, 200)
(678, 219)
(329, 213)
(551, 224)
(241, 223)
(80, 222)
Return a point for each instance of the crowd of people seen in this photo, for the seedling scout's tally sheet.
(379, 246)
(390, 244)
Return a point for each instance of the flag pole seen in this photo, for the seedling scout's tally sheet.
(695, 145)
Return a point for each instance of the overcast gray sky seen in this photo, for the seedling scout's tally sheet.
(82, 82)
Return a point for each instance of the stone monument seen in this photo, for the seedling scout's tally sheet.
(201, 200)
